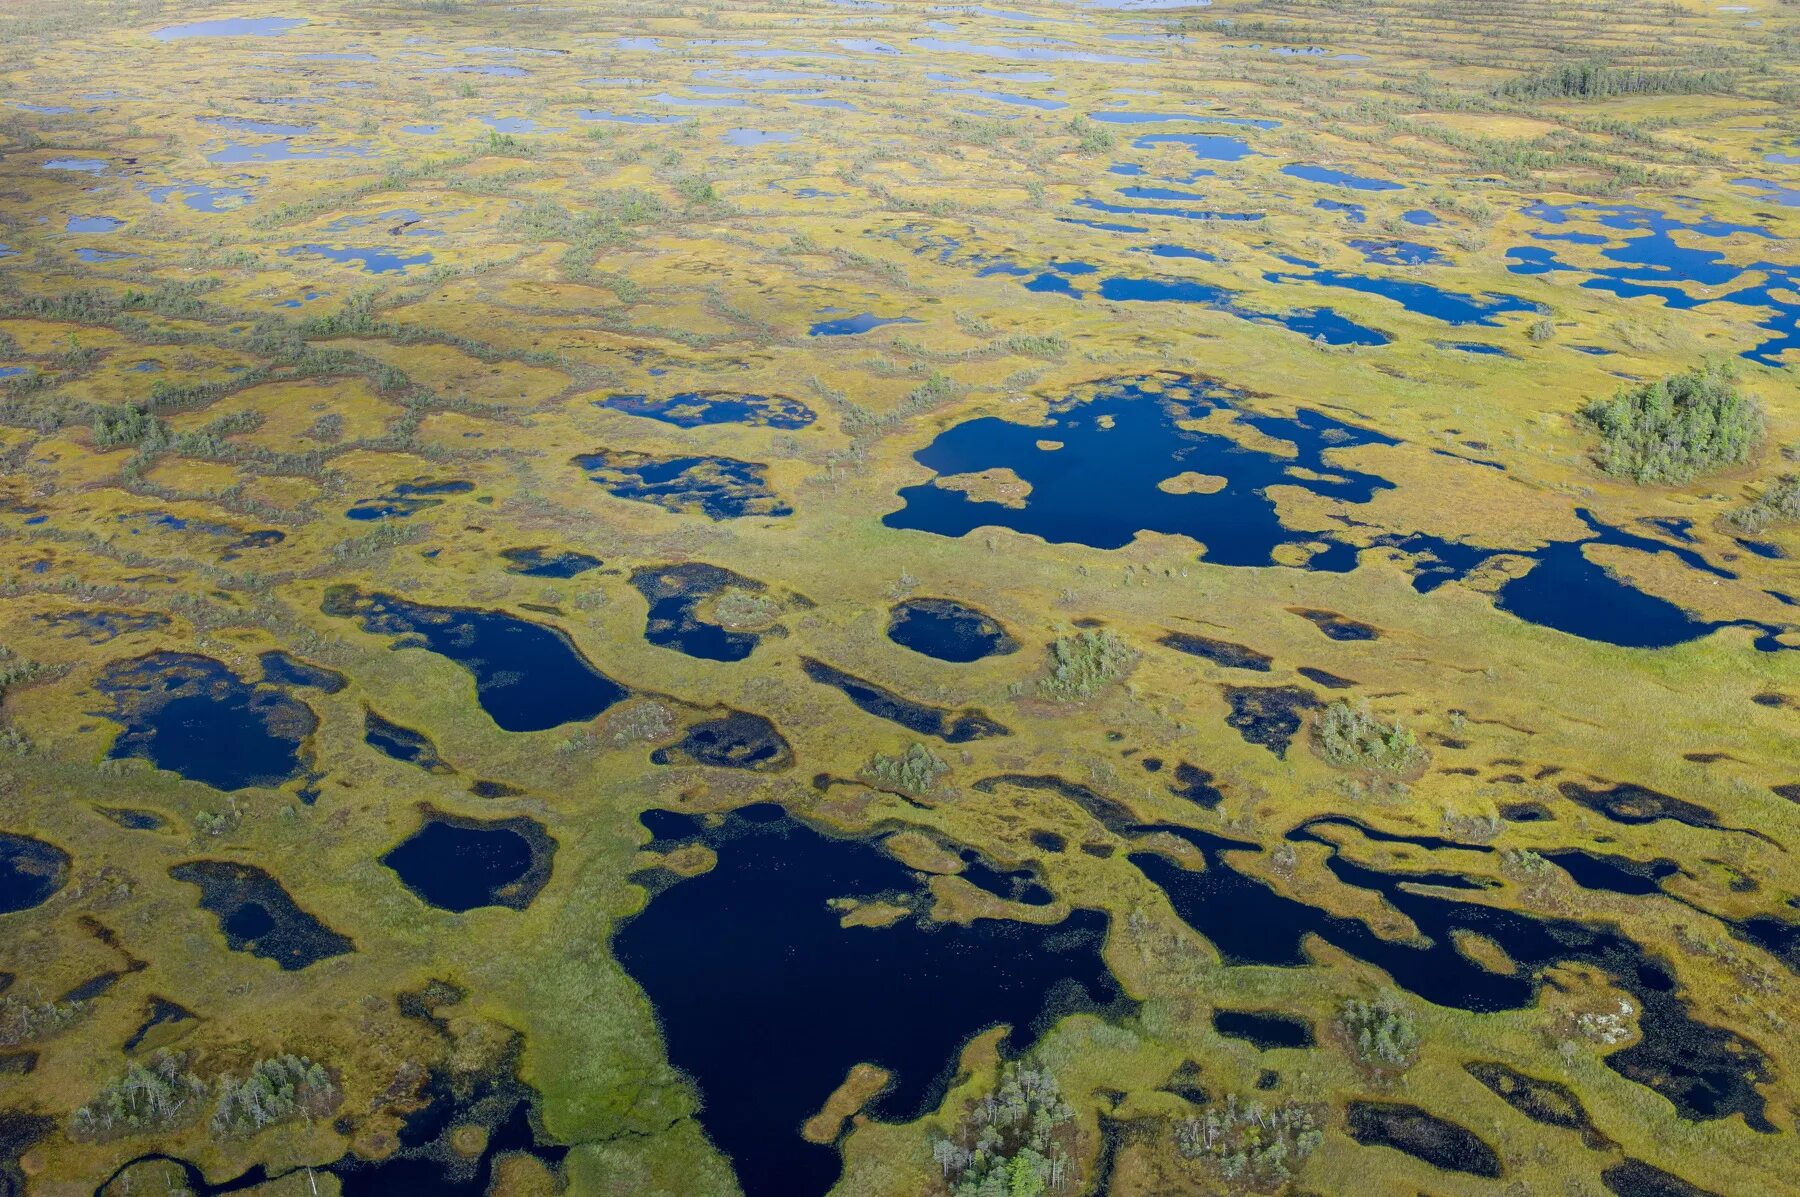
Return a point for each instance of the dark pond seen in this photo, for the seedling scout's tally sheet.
(757, 929)
(539, 561)
(734, 740)
(1267, 1029)
(850, 326)
(1223, 653)
(281, 668)
(718, 487)
(676, 594)
(528, 677)
(947, 630)
(103, 626)
(192, 715)
(402, 743)
(1451, 307)
(31, 871)
(1653, 263)
(407, 498)
(953, 727)
(695, 408)
(256, 915)
(1422, 1135)
(458, 864)
(1339, 178)
(1614, 874)
(1707, 1072)
(1120, 439)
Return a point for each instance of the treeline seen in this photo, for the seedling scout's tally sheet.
(1596, 81)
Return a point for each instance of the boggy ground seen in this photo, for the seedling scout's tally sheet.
(339, 306)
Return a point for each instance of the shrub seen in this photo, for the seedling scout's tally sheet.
(1352, 737)
(915, 771)
(1014, 1142)
(1250, 1146)
(1082, 664)
(147, 1099)
(1676, 428)
(277, 1089)
(1779, 503)
(1381, 1034)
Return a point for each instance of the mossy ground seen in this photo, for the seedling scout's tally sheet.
(485, 364)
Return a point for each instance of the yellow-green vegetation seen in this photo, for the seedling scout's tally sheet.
(326, 339)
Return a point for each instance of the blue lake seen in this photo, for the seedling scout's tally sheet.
(230, 27)
(528, 676)
(758, 927)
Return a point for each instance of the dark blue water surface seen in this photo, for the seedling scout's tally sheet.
(528, 677)
(725, 956)
(1653, 263)
(1119, 441)
(947, 630)
(675, 594)
(540, 561)
(192, 715)
(850, 326)
(1340, 178)
(1451, 307)
(717, 487)
(695, 408)
(1063, 278)
(1706, 1071)
(31, 871)
(460, 864)
(407, 498)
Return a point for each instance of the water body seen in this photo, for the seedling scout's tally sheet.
(1654, 264)
(230, 27)
(459, 864)
(201, 197)
(1451, 307)
(373, 260)
(952, 727)
(402, 744)
(676, 594)
(1122, 438)
(757, 929)
(540, 561)
(257, 915)
(948, 630)
(192, 715)
(850, 326)
(1064, 279)
(1267, 1029)
(732, 740)
(719, 488)
(404, 499)
(528, 676)
(1339, 178)
(92, 224)
(1022, 53)
(282, 150)
(694, 409)
(31, 872)
(1706, 1071)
